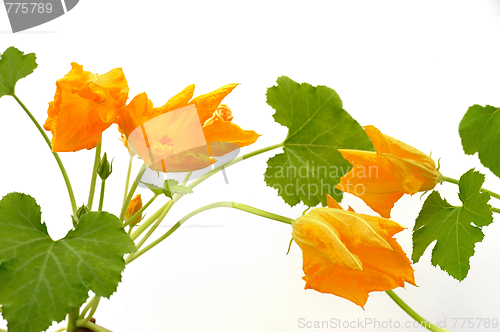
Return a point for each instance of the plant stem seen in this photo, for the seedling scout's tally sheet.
(61, 329)
(149, 221)
(72, 318)
(162, 216)
(451, 180)
(193, 184)
(129, 221)
(59, 162)
(495, 210)
(132, 191)
(423, 322)
(128, 178)
(88, 306)
(95, 304)
(233, 205)
(232, 162)
(91, 326)
(94, 175)
(101, 198)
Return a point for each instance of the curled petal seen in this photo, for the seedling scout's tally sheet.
(349, 254)
(84, 105)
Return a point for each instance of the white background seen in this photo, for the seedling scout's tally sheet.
(411, 68)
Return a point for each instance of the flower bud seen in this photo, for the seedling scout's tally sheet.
(133, 207)
(105, 168)
(82, 210)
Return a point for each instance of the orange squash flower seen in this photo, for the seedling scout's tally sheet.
(179, 142)
(84, 105)
(349, 254)
(133, 207)
(381, 178)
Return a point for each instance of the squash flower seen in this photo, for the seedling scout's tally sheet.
(381, 178)
(350, 254)
(84, 105)
(185, 133)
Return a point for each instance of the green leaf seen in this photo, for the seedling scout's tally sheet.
(479, 131)
(453, 226)
(40, 279)
(14, 65)
(170, 188)
(311, 166)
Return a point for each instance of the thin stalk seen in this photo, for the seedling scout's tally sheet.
(451, 180)
(138, 213)
(87, 307)
(95, 304)
(128, 179)
(193, 184)
(162, 216)
(152, 229)
(495, 210)
(132, 191)
(61, 329)
(58, 160)
(233, 205)
(423, 322)
(145, 224)
(92, 326)
(101, 198)
(94, 175)
(72, 318)
(232, 162)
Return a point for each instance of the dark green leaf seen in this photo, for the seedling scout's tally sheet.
(40, 279)
(480, 132)
(311, 166)
(453, 226)
(14, 65)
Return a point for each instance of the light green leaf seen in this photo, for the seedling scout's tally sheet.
(480, 132)
(453, 226)
(14, 65)
(170, 188)
(311, 166)
(40, 279)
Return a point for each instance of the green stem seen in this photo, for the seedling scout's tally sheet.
(155, 226)
(59, 162)
(95, 304)
(425, 323)
(162, 216)
(233, 205)
(91, 326)
(128, 178)
(72, 318)
(138, 213)
(94, 175)
(61, 329)
(88, 306)
(495, 210)
(193, 184)
(101, 198)
(232, 162)
(145, 224)
(132, 191)
(451, 180)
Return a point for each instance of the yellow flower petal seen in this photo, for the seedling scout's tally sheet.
(349, 254)
(84, 105)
